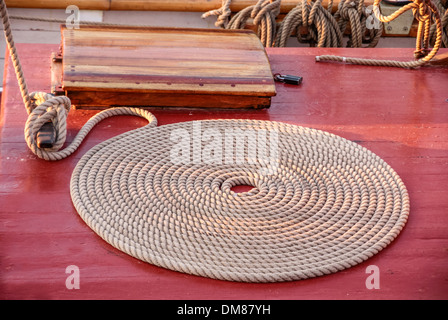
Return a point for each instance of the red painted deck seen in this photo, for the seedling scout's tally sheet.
(401, 115)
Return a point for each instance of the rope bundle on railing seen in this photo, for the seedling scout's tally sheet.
(263, 13)
(322, 28)
(355, 14)
(424, 11)
(309, 20)
(223, 14)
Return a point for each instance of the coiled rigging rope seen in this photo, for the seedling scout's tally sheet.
(263, 13)
(322, 27)
(326, 30)
(355, 14)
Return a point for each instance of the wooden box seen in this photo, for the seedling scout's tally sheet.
(102, 67)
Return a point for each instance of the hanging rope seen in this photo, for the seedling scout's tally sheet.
(322, 28)
(354, 13)
(444, 21)
(263, 13)
(43, 107)
(424, 11)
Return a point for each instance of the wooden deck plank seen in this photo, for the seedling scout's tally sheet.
(401, 115)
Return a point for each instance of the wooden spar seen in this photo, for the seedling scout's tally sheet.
(152, 5)
(197, 5)
(59, 4)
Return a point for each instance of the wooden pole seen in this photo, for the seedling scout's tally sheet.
(60, 4)
(151, 5)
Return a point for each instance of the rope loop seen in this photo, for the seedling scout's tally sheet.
(319, 24)
(56, 109)
(222, 14)
(264, 14)
(263, 8)
(356, 14)
(45, 108)
(426, 12)
(345, 8)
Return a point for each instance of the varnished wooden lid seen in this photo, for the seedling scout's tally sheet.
(163, 60)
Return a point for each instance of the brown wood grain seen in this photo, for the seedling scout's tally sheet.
(60, 4)
(177, 62)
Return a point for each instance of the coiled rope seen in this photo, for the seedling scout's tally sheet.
(316, 25)
(322, 205)
(322, 28)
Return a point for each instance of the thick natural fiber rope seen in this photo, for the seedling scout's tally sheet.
(43, 107)
(329, 205)
(322, 27)
(355, 13)
(444, 22)
(263, 14)
(424, 11)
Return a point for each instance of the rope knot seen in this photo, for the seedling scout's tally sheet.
(47, 108)
(421, 11)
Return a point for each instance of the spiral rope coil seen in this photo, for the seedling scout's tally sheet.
(324, 205)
